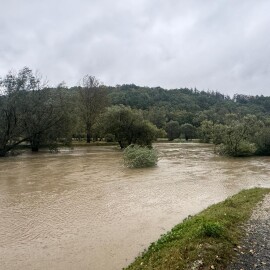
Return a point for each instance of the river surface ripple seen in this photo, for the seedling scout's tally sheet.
(81, 209)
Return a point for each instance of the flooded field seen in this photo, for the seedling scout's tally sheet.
(81, 209)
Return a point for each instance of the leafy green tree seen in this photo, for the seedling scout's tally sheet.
(241, 149)
(157, 116)
(262, 140)
(199, 118)
(173, 130)
(205, 131)
(127, 126)
(188, 131)
(181, 116)
(231, 118)
(217, 135)
(237, 137)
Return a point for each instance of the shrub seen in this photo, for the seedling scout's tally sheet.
(109, 137)
(136, 156)
(242, 149)
(211, 229)
(262, 140)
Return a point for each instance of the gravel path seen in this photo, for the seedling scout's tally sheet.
(254, 252)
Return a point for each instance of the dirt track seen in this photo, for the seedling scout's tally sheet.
(254, 251)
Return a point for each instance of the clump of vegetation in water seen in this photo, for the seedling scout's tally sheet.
(204, 241)
(136, 156)
(243, 149)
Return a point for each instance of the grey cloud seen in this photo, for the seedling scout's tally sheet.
(217, 45)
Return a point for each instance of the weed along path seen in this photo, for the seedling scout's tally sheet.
(82, 209)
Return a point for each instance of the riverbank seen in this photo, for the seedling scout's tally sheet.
(208, 240)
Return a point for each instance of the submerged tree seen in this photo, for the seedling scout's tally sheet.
(157, 116)
(12, 108)
(173, 130)
(188, 131)
(238, 135)
(92, 101)
(29, 111)
(262, 140)
(205, 131)
(47, 117)
(127, 126)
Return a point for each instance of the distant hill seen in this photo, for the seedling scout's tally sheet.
(209, 105)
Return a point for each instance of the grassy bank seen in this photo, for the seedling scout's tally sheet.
(204, 241)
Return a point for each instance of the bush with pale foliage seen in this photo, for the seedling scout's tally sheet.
(136, 156)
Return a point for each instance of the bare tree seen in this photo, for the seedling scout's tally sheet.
(45, 112)
(93, 100)
(12, 105)
(28, 110)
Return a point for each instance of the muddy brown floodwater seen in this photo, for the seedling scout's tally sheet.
(81, 209)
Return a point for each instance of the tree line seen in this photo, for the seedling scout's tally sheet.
(36, 115)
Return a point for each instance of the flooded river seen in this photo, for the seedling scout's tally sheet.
(81, 209)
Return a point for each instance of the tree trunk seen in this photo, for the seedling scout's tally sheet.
(88, 137)
(121, 144)
(88, 132)
(35, 143)
(3, 152)
(34, 148)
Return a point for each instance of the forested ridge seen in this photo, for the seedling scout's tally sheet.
(34, 114)
(189, 100)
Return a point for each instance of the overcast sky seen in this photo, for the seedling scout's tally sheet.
(219, 45)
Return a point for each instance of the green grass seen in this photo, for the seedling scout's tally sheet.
(205, 240)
